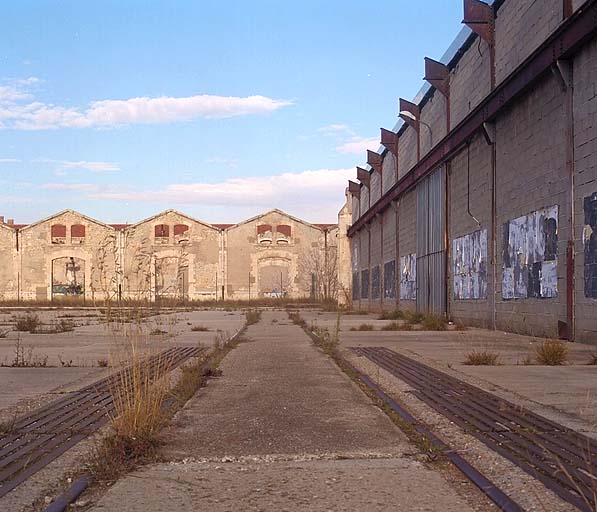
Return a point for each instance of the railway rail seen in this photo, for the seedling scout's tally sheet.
(564, 460)
(39, 438)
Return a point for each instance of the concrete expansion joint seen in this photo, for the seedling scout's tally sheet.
(270, 458)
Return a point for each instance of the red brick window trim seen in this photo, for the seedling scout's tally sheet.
(180, 229)
(77, 231)
(285, 230)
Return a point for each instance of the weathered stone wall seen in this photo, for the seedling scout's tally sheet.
(184, 263)
(272, 262)
(169, 256)
(9, 273)
(64, 265)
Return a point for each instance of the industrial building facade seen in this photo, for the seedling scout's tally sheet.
(482, 204)
(170, 255)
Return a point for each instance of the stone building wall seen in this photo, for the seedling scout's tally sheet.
(170, 256)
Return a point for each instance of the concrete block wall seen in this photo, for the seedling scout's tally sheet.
(407, 151)
(389, 169)
(389, 253)
(376, 264)
(364, 265)
(434, 114)
(365, 203)
(529, 142)
(356, 206)
(407, 220)
(476, 158)
(375, 193)
(520, 28)
(531, 175)
(470, 81)
(585, 153)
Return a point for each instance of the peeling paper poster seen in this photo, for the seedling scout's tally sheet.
(389, 280)
(529, 250)
(408, 277)
(469, 257)
(590, 245)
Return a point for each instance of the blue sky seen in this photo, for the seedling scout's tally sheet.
(120, 109)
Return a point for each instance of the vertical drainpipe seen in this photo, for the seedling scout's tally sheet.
(396, 205)
(447, 173)
(381, 265)
(565, 72)
(489, 132)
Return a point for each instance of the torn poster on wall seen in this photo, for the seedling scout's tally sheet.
(408, 277)
(469, 258)
(530, 254)
(590, 245)
(389, 280)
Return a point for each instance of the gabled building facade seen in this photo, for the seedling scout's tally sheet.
(167, 256)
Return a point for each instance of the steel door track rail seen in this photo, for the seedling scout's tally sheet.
(561, 458)
(39, 438)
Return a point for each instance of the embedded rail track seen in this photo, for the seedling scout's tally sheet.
(562, 459)
(39, 438)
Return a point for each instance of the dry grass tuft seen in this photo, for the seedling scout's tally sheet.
(434, 323)
(552, 353)
(392, 315)
(481, 358)
(363, 327)
(397, 326)
(29, 322)
(593, 360)
(252, 316)
(412, 317)
(199, 328)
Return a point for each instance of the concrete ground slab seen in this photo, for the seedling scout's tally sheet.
(566, 394)
(283, 429)
(321, 485)
(25, 383)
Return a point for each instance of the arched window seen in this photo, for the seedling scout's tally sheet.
(162, 234)
(181, 233)
(58, 234)
(283, 233)
(77, 234)
(264, 234)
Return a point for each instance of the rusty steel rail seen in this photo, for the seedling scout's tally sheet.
(42, 436)
(561, 458)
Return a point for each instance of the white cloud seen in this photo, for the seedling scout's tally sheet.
(308, 193)
(82, 187)
(358, 146)
(231, 163)
(63, 166)
(17, 113)
(10, 160)
(336, 130)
